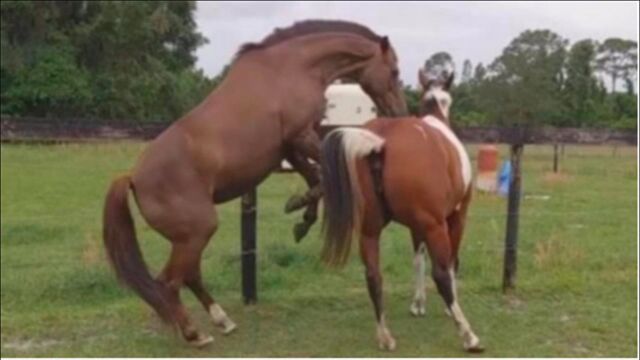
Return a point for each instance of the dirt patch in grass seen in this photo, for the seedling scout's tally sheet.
(91, 254)
(556, 252)
(558, 178)
(27, 345)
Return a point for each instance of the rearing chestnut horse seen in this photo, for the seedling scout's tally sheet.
(410, 170)
(265, 110)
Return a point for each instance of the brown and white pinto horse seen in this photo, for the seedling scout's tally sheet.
(410, 170)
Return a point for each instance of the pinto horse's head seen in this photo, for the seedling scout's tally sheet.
(435, 99)
(380, 79)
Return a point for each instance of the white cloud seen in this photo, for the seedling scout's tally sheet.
(467, 30)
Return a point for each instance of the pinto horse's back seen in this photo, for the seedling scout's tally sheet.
(415, 167)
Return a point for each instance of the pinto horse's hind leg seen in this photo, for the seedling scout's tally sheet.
(418, 305)
(370, 253)
(456, 223)
(439, 247)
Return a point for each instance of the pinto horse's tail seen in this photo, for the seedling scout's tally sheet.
(124, 252)
(342, 194)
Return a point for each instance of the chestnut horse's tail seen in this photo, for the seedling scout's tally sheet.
(124, 252)
(342, 194)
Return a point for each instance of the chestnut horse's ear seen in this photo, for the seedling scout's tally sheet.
(449, 82)
(424, 79)
(384, 44)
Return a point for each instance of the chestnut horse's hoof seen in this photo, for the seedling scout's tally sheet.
(300, 230)
(201, 340)
(295, 202)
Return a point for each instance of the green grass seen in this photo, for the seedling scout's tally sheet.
(576, 287)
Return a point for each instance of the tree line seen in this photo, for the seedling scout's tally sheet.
(540, 80)
(122, 60)
(100, 59)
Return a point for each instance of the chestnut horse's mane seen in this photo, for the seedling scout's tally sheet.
(308, 27)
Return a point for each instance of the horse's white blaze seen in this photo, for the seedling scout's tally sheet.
(420, 296)
(442, 98)
(453, 139)
(469, 337)
(221, 319)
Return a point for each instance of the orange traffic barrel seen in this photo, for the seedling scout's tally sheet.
(487, 168)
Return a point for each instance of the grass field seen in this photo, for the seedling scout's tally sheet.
(577, 277)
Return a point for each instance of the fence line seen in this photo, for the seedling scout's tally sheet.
(483, 215)
(38, 129)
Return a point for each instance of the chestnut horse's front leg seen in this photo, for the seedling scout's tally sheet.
(304, 148)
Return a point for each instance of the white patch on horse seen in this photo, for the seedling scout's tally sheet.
(453, 139)
(443, 99)
(418, 305)
(385, 339)
(221, 319)
(469, 338)
(360, 142)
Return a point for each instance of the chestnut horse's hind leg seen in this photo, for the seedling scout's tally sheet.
(173, 276)
(310, 199)
(369, 251)
(302, 149)
(418, 304)
(193, 280)
(183, 267)
(439, 247)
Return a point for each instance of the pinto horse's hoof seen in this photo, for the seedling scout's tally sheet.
(388, 344)
(229, 327)
(472, 344)
(295, 202)
(417, 309)
(300, 230)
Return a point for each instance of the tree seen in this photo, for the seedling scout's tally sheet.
(412, 97)
(120, 60)
(467, 71)
(525, 81)
(479, 73)
(54, 85)
(581, 86)
(618, 58)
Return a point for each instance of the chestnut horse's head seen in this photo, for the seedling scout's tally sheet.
(435, 99)
(380, 79)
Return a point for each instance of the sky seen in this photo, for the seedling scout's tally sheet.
(477, 31)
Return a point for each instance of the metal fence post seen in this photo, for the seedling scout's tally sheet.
(513, 209)
(555, 157)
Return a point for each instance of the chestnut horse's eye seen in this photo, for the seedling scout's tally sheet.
(395, 73)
